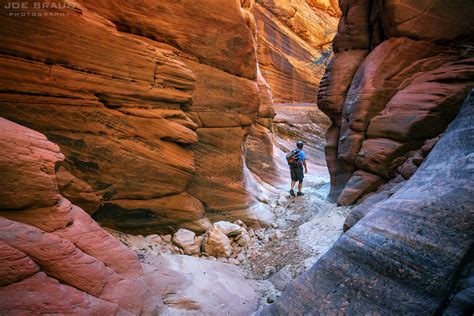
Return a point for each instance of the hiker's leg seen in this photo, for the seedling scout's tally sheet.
(293, 184)
(300, 186)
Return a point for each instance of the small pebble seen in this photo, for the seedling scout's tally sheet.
(270, 299)
(166, 238)
(234, 261)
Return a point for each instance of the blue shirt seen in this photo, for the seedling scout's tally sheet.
(302, 156)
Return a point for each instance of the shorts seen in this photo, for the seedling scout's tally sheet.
(297, 174)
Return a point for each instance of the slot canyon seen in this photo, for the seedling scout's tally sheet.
(144, 147)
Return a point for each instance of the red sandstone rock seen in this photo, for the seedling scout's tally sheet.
(88, 236)
(43, 294)
(135, 116)
(407, 169)
(35, 186)
(353, 26)
(56, 252)
(360, 183)
(161, 214)
(224, 182)
(291, 39)
(265, 108)
(423, 20)
(406, 90)
(223, 100)
(216, 243)
(15, 265)
(259, 145)
(424, 108)
(195, 28)
(380, 156)
(336, 82)
(260, 154)
(77, 191)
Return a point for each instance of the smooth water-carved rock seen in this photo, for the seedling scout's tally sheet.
(390, 87)
(64, 261)
(152, 123)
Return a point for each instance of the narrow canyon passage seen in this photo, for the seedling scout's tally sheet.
(309, 224)
(303, 229)
(144, 168)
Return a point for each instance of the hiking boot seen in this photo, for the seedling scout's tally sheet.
(292, 193)
(300, 193)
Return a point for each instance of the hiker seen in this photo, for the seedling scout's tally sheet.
(297, 160)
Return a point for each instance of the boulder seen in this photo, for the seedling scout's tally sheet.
(407, 169)
(243, 239)
(228, 229)
(216, 243)
(185, 239)
(360, 183)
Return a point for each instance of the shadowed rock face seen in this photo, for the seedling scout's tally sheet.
(294, 43)
(405, 255)
(150, 102)
(398, 78)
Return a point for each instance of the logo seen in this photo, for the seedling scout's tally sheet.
(36, 8)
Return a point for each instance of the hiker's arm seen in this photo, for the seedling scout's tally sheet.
(305, 168)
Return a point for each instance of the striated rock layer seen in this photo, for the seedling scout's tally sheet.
(408, 254)
(54, 258)
(294, 43)
(398, 77)
(150, 103)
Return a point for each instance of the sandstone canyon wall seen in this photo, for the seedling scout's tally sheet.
(294, 43)
(150, 102)
(398, 77)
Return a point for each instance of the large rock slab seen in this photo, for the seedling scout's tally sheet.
(191, 285)
(403, 256)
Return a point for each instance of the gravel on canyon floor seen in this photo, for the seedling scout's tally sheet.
(307, 227)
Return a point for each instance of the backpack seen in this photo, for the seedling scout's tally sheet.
(293, 157)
